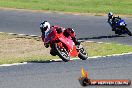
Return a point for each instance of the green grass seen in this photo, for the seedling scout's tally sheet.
(83, 6)
(103, 49)
(14, 49)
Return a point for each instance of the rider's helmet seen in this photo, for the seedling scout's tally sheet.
(110, 14)
(45, 25)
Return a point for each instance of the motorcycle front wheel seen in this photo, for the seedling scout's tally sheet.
(82, 53)
(128, 32)
(62, 53)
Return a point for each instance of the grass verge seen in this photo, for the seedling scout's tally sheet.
(14, 49)
(83, 6)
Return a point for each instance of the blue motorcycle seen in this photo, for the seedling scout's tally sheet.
(119, 26)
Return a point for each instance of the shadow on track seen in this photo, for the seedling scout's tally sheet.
(101, 37)
(47, 61)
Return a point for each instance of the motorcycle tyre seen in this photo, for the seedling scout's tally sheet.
(128, 32)
(81, 54)
(59, 53)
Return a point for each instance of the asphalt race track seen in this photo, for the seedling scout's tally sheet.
(93, 28)
(65, 75)
(61, 74)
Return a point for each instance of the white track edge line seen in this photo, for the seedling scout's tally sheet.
(14, 64)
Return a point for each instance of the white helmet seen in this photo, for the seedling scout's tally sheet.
(44, 26)
(110, 14)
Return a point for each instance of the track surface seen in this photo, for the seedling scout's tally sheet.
(87, 27)
(65, 75)
(61, 74)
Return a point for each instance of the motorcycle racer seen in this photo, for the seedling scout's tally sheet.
(119, 26)
(112, 20)
(45, 27)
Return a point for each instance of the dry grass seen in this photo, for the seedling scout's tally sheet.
(14, 47)
(21, 47)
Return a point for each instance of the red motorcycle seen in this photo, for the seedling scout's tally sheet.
(62, 46)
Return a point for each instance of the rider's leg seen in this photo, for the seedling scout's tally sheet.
(70, 32)
(113, 26)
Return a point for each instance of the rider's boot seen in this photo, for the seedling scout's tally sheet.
(52, 52)
(75, 41)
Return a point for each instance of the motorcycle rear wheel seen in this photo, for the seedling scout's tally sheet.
(62, 53)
